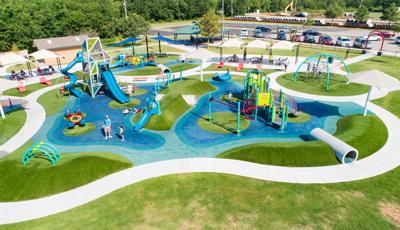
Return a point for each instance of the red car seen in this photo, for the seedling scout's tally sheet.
(325, 40)
(388, 34)
(296, 38)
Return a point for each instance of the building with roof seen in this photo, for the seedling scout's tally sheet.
(66, 47)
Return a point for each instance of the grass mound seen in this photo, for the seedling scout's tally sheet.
(116, 105)
(302, 118)
(80, 130)
(306, 83)
(390, 102)
(14, 121)
(39, 178)
(52, 102)
(383, 63)
(223, 122)
(147, 70)
(367, 134)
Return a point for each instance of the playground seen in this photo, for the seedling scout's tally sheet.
(113, 111)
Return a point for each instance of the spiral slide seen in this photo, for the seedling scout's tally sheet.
(72, 77)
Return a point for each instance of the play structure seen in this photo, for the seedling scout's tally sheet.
(322, 63)
(74, 117)
(96, 71)
(344, 152)
(258, 102)
(152, 108)
(164, 78)
(223, 76)
(41, 150)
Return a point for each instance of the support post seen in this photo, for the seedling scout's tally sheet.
(159, 43)
(147, 48)
(328, 76)
(238, 119)
(255, 114)
(366, 102)
(201, 70)
(180, 71)
(209, 107)
(2, 112)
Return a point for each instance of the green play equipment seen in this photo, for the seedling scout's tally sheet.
(322, 62)
(40, 150)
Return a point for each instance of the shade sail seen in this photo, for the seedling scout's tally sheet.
(201, 54)
(12, 58)
(44, 54)
(172, 41)
(126, 41)
(283, 45)
(374, 78)
(232, 43)
(257, 44)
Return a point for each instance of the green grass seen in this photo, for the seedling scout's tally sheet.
(385, 64)
(220, 201)
(303, 52)
(14, 121)
(176, 68)
(233, 69)
(147, 70)
(116, 105)
(302, 118)
(166, 59)
(173, 105)
(30, 88)
(391, 102)
(80, 130)
(223, 122)
(367, 134)
(39, 178)
(308, 84)
(18, 67)
(52, 102)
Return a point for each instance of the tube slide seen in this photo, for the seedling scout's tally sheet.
(164, 69)
(223, 77)
(344, 152)
(113, 87)
(151, 109)
(72, 77)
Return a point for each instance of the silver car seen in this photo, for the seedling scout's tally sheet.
(361, 43)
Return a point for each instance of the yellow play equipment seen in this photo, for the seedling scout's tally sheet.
(291, 7)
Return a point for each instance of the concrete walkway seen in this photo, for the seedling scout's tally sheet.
(382, 161)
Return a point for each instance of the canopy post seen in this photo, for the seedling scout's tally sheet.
(147, 48)
(366, 102)
(159, 43)
(2, 112)
(201, 70)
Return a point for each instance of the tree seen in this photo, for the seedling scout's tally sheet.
(210, 24)
(362, 13)
(308, 22)
(391, 13)
(14, 48)
(132, 26)
(334, 11)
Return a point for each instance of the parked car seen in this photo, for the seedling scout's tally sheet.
(311, 32)
(301, 14)
(244, 33)
(397, 40)
(296, 38)
(325, 40)
(360, 43)
(264, 29)
(281, 35)
(309, 38)
(388, 35)
(258, 34)
(286, 29)
(373, 37)
(344, 41)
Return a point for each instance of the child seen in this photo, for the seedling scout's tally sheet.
(121, 132)
(134, 88)
(129, 88)
(230, 97)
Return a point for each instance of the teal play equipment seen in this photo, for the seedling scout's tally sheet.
(120, 62)
(223, 76)
(322, 64)
(152, 108)
(40, 150)
(79, 58)
(164, 79)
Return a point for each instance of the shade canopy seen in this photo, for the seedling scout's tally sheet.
(188, 30)
(171, 41)
(232, 43)
(12, 58)
(201, 54)
(286, 45)
(126, 41)
(257, 44)
(374, 78)
(44, 54)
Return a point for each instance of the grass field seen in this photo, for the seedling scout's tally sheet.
(367, 134)
(385, 64)
(176, 68)
(39, 178)
(223, 122)
(14, 121)
(52, 102)
(80, 130)
(233, 69)
(308, 84)
(391, 102)
(30, 88)
(147, 70)
(173, 105)
(302, 118)
(116, 105)
(220, 201)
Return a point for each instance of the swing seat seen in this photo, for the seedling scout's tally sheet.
(220, 65)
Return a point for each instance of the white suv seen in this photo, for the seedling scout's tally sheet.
(244, 33)
(344, 41)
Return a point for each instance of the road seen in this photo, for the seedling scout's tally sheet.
(334, 32)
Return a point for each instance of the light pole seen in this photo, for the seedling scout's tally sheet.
(222, 20)
(126, 12)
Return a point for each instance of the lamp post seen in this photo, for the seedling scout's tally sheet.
(126, 11)
(222, 20)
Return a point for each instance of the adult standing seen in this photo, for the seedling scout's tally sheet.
(129, 88)
(107, 127)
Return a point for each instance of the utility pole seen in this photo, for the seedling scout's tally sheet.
(232, 8)
(222, 20)
(126, 12)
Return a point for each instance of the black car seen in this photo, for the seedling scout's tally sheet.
(263, 29)
(309, 39)
(311, 32)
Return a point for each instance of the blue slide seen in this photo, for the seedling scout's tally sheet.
(223, 77)
(113, 87)
(120, 63)
(151, 109)
(72, 77)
